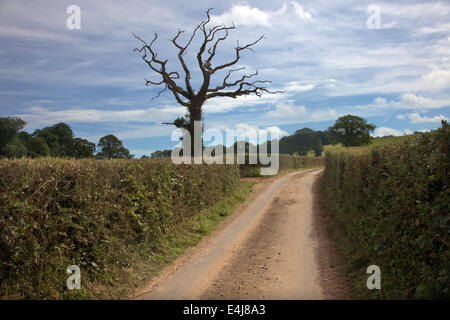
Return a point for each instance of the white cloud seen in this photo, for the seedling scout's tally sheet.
(225, 104)
(389, 25)
(296, 86)
(244, 15)
(410, 101)
(38, 116)
(287, 110)
(254, 134)
(378, 103)
(407, 131)
(141, 131)
(435, 29)
(322, 115)
(301, 12)
(304, 42)
(438, 79)
(416, 11)
(17, 32)
(417, 118)
(379, 100)
(384, 131)
(413, 101)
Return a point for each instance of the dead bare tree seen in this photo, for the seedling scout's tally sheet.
(186, 96)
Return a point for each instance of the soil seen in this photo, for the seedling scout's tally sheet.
(273, 246)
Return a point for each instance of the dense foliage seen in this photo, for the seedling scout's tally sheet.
(11, 144)
(301, 142)
(287, 162)
(161, 154)
(110, 147)
(391, 205)
(351, 131)
(98, 215)
(57, 141)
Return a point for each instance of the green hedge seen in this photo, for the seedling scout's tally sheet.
(286, 162)
(392, 207)
(54, 213)
(299, 162)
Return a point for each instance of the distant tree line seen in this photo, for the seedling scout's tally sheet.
(160, 154)
(348, 130)
(300, 143)
(57, 141)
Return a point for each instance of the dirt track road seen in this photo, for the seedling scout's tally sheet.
(266, 250)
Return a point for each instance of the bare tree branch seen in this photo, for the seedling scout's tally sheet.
(236, 59)
(211, 38)
(212, 50)
(225, 84)
(180, 57)
(245, 88)
(159, 92)
(167, 77)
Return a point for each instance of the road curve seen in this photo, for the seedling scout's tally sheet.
(266, 251)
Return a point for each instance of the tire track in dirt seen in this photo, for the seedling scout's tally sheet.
(278, 259)
(268, 249)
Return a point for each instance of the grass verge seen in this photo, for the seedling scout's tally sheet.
(176, 243)
(333, 230)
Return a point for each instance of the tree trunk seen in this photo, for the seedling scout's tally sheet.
(195, 114)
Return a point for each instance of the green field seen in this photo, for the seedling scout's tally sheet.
(376, 142)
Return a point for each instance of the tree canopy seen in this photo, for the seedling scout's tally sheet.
(301, 142)
(9, 128)
(10, 144)
(161, 154)
(82, 148)
(110, 147)
(56, 140)
(59, 139)
(351, 131)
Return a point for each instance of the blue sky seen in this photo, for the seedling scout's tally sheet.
(320, 53)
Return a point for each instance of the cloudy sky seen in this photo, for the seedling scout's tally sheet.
(331, 58)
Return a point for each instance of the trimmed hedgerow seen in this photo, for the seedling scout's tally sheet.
(286, 162)
(300, 162)
(55, 213)
(392, 207)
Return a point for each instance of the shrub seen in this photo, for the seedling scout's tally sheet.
(392, 206)
(92, 213)
(286, 162)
